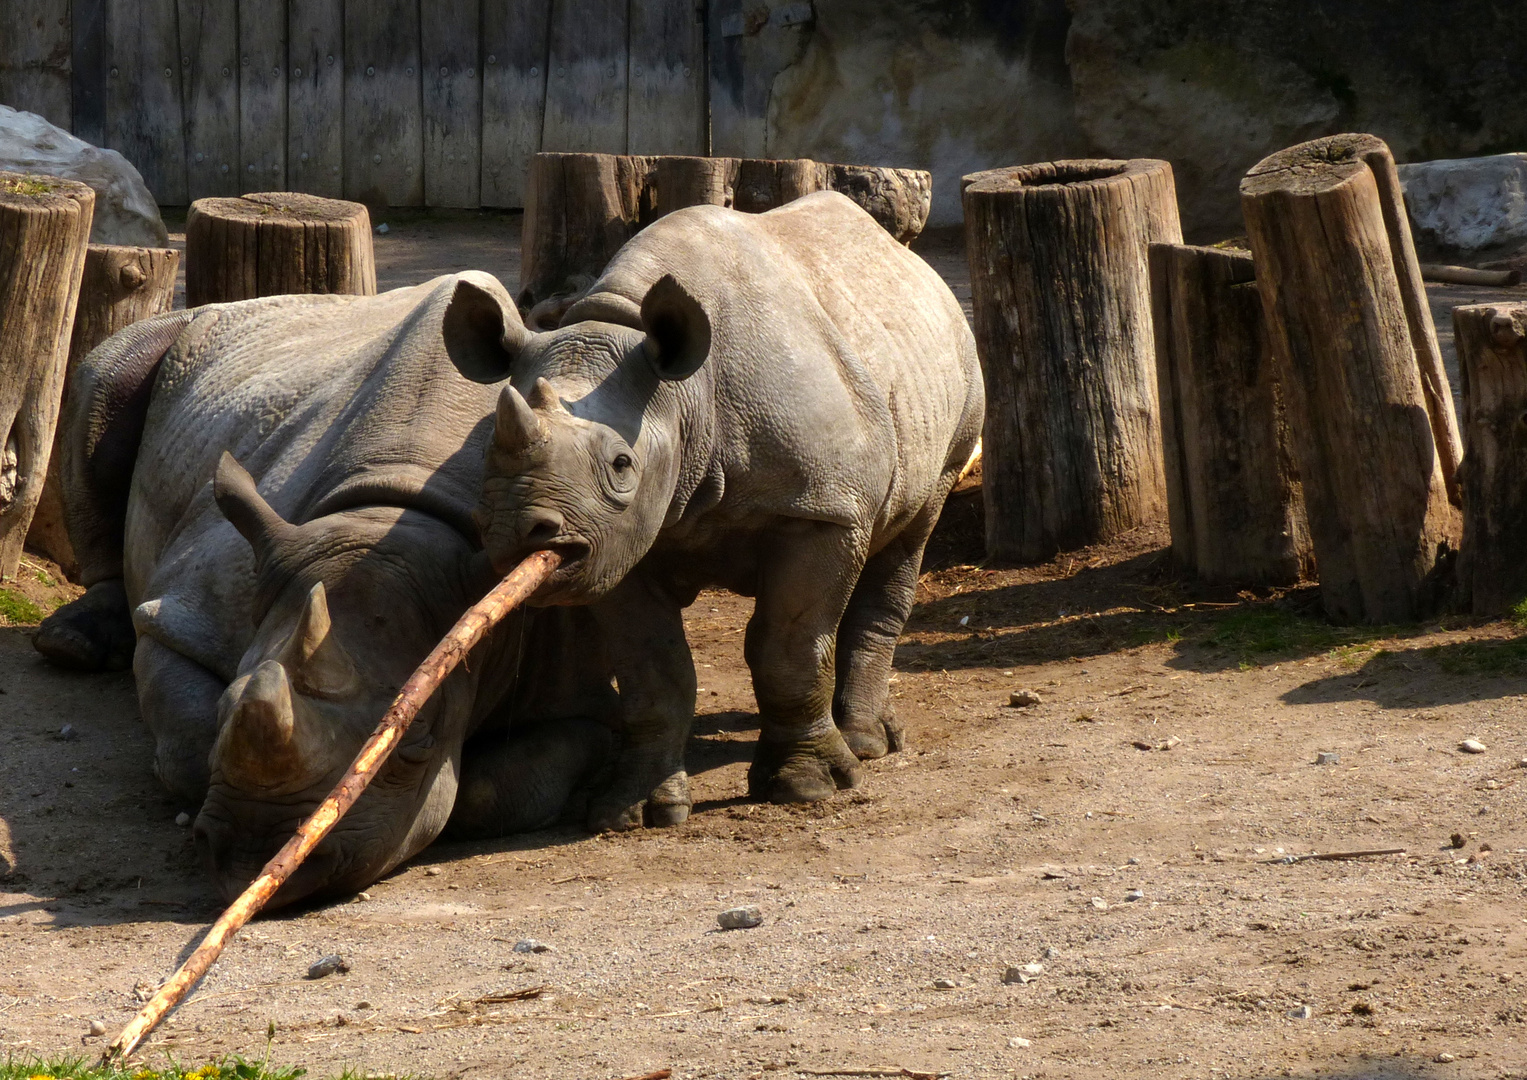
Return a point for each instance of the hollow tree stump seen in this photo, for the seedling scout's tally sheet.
(579, 210)
(44, 231)
(1365, 409)
(1492, 367)
(1235, 501)
(120, 286)
(270, 243)
(1071, 452)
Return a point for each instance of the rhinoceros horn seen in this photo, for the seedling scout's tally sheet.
(313, 658)
(516, 428)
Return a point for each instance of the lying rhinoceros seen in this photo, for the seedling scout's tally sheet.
(777, 404)
(277, 611)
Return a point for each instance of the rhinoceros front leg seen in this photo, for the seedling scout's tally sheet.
(806, 574)
(644, 630)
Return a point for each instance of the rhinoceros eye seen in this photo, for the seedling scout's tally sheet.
(417, 750)
(622, 462)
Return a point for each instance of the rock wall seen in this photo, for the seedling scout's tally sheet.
(1213, 86)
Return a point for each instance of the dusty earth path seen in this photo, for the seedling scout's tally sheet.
(1172, 755)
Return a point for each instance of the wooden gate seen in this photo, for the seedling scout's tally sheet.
(396, 102)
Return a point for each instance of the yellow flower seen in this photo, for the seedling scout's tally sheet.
(40, 1076)
(143, 1074)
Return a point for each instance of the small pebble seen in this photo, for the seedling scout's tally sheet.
(363, 896)
(1018, 1042)
(183, 819)
(1443, 1058)
(1458, 840)
(1099, 903)
(964, 620)
(382, 229)
(432, 871)
(363, 1004)
(1052, 953)
(1132, 861)
(740, 918)
(1022, 699)
(341, 1020)
(1014, 975)
(531, 945)
(67, 733)
(97, 1028)
(1303, 1012)
(1134, 894)
(1329, 758)
(328, 966)
(1033, 970)
(1522, 764)
(1472, 746)
(943, 984)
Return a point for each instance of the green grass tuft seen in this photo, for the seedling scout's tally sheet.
(17, 610)
(1519, 614)
(1269, 630)
(228, 1068)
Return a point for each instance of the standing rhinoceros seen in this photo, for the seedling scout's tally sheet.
(777, 404)
(278, 610)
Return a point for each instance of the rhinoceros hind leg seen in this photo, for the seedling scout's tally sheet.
(92, 633)
(178, 698)
(527, 780)
(867, 636)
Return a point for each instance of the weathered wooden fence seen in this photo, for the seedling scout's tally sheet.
(402, 102)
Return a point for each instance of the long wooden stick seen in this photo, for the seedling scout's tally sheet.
(453, 648)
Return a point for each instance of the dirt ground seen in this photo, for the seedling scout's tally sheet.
(1128, 834)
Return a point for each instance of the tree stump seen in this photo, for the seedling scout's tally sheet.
(1492, 367)
(693, 181)
(1342, 323)
(579, 210)
(120, 286)
(897, 198)
(270, 243)
(1071, 452)
(1235, 502)
(764, 183)
(44, 231)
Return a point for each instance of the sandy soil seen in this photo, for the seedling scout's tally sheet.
(1173, 754)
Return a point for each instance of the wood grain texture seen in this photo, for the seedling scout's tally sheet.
(209, 64)
(44, 232)
(315, 97)
(514, 44)
(270, 243)
(35, 47)
(262, 96)
(693, 181)
(586, 88)
(665, 90)
(143, 88)
(1375, 489)
(1233, 493)
(1071, 452)
(452, 95)
(384, 123)
(1492, 364)
(119, 286)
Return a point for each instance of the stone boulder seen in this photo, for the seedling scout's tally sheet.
(1468, 204)
(125, 213)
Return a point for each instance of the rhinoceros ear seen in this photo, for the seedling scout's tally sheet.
(482, 331)
(241, 503)
(678, 330)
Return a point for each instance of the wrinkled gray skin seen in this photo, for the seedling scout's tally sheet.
(777, 404)
(277, 611)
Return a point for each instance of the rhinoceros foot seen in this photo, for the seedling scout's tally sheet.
(807, 770)
(93, 633)
(630, 804)
(876, 738)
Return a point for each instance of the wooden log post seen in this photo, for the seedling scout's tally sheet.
(764, 183)
(693, 181)
(270, 243)
(1492, 369)
(44, 231)
(1235, 501)
(120, 286)
(579, 210)
(1368, 401)
(897, 198)
(1071, 452)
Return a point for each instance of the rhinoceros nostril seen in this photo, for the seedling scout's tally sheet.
(543, 526)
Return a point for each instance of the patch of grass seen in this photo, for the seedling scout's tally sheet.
(17, 610)
(1519, 614)
(1272, 630)
(45, 578)
(1482, 657)
(228, 1068)
(28, 185)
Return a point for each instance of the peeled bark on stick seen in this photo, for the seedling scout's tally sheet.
(1236, 504)
(44, 231)
(1061, 291)
(442, 660)
(270, 243)
(121, 285)
(1492, 366)
(1369, 412)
